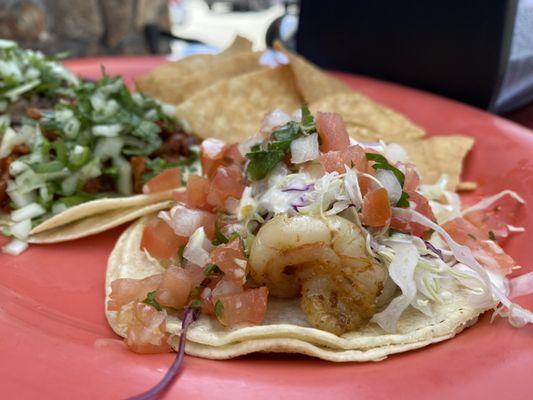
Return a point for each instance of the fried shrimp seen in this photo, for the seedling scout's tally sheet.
(323, 260)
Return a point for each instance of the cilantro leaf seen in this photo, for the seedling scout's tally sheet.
(195, 304)
(262, 162)
(151, 301)
(382, 163)
(492, 236)
(308, 121)
(211, 269)
(403, 200)
(219, 308)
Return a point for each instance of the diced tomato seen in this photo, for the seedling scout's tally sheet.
(249, 306)
(212, 155)
(487, 252)
(332, 131)
(489, 221)
(160, 240)
(166, 180)
(412, 179)
(226, 286)
(233, 154)
(231, 260)
(146, 328)
(180, 196)
(226, 182)
(376, 208)
(351, 156)
(175, 288)
(196, 274)
(365, 184)
(124, 291)
(422, 206)
(197, 189)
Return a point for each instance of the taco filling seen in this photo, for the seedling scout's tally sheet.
(302, 213)
(99, 140)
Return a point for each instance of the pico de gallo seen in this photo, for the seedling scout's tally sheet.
(308, 165)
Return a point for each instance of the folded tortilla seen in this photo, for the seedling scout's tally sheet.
(285, 328)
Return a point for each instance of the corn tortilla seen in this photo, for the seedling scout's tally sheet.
(285, 328)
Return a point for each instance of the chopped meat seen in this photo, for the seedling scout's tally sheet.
(102, 183)
(175, 145)
(138, 168)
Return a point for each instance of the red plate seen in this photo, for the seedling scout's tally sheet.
(55, 342)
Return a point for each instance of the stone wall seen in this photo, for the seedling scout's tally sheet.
(82, 27)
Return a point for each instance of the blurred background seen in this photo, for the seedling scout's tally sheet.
(479, 51)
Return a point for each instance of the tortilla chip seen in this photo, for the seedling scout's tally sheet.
(233, 109)
(439, 155)
(96, 223)
(94, 207)
(312, 82)
(175, 81)
(285, 328)
(367, 120)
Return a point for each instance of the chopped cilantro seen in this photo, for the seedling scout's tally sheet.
(264, 159)
(211, 269)
(471, 236)
(380, 162)
(219, 308)
(195, 304)
(151, 301)
(180, 252)
(403, 201)
(492, 236)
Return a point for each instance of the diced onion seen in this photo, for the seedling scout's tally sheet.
(59, 208)
(27, 212)
(21, 229)
(274, 119)
(390, 182)
(184, 221)
(124, 183)
(15, 247)
(198, 248)
(395, 153)
(304, 149)
(107, 148)
(111, 130)
(521, 285)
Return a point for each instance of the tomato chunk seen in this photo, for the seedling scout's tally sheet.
(332, 131)
(352, 156)
(212, 155)
(146, 328)
(166, 180)
(175, 288)
(422, 206)
(248, 306)
(233, 154)
(376, 208)
(487, 252)
(226, 182)
(231, 260)
(197, 189)
(160, 240)
(412, 179)
(124, 291)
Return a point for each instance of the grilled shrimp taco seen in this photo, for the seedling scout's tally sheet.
(98, 157)
(302, 240)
